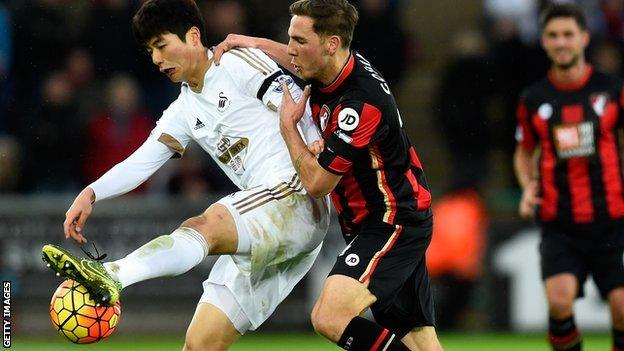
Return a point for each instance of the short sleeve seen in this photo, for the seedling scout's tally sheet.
(255, 73)
(356, 125)
(172, 130)
(524, 132)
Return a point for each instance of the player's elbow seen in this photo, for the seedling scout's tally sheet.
(315, 191)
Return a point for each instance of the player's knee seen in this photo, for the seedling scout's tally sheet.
(202, 224)
(617, 316)
(322, 323)
(328, 322)
(560, 305)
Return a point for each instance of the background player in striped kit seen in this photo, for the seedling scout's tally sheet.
(575, 189)
(268, 234)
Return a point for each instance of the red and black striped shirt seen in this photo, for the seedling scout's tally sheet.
(575, 126)
(382, 177)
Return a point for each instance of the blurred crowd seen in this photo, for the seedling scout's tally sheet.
(78, 94)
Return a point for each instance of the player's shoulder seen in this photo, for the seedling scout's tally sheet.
(536, 90)
(605, 79)
(248, 59)
(175, 110)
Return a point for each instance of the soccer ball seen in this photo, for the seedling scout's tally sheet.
(75, 315)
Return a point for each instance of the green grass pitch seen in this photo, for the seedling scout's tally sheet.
(306, 342)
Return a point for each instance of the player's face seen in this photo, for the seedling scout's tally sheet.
(171, 55)
(306, 48)
(564, 41)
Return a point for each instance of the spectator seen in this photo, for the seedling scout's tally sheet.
(461, 109)
(118, 130)
(51, 137)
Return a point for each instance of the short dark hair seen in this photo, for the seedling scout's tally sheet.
(156, 17)
(563, 10)
(331, 17)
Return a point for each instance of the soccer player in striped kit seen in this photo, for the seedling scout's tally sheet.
(569, 121)
(376, 181)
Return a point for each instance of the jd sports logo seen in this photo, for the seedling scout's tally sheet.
(198, 124)
(348, 119)
(224, 102)
(352, 260)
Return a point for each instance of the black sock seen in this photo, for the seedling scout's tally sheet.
(362, 334)
(618, 340)
(563, 334)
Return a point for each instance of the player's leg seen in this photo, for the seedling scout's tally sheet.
(607, 269)
(616, 304)
(242, 291)
(218, 321)
(422, 338)
(411, 313)
(561, 291)
(368, 261)
(213, 232)
(210, 329)
(563, 271)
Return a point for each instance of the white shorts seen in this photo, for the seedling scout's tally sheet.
(285, 230)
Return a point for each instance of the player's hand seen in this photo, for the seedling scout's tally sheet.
(317, 147)
(529, 200)
(76, 216)
(291, 112)
(230, 42)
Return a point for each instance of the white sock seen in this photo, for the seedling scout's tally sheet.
(167, 255)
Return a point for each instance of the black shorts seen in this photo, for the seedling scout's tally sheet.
(599, 253)
(392, 260)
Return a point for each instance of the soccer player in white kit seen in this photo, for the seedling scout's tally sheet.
(268, 234)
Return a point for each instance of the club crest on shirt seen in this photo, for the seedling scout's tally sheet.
(223, 103)
(324, 117)
(598, 102)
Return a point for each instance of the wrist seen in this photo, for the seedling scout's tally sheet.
(89, 194)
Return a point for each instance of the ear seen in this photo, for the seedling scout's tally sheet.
(332, 44)
(586, 38)
(193, 36)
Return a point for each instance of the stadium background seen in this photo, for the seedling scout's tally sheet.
(78, 95)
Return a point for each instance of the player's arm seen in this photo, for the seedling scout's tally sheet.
(317, 181)
(524, 164)
(259, 77)
(276, 51)
(122, 178)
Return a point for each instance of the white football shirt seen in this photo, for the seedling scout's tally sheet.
(234, 119)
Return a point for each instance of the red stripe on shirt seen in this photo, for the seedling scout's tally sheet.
(369, 121)
(578, 174)
(340, 165)
(422, 195)
(610, 162)
(355, 197)
(527, 141)
(550, 193)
